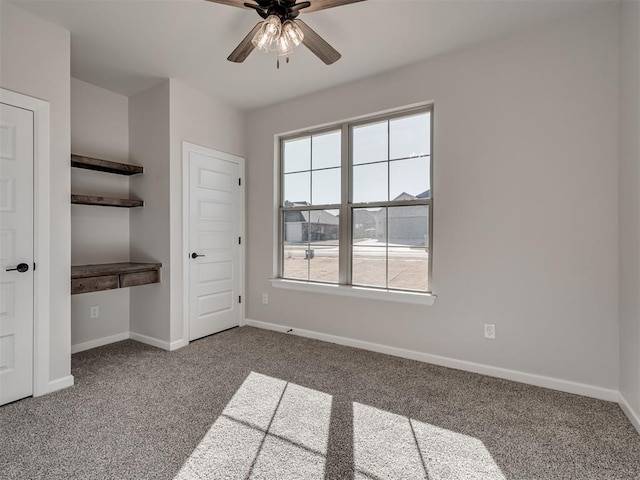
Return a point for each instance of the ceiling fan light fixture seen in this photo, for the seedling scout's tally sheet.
(292, 33)
(279, 18)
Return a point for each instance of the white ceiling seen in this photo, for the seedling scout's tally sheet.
(128, 45)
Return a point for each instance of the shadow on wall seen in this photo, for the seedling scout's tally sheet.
(276, 429)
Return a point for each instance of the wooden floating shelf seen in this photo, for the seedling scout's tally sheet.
(109, 276)
(105, 201)
(107, 166)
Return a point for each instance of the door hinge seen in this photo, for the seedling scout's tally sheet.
(239, 240)
(34, 266)
(240, 299)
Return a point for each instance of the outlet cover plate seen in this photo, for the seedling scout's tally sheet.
(490, 331)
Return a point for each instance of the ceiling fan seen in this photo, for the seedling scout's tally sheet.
(281, 31)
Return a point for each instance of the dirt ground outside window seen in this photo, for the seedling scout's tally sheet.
(407, 266)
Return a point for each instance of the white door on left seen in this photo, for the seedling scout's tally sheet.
(16, 253)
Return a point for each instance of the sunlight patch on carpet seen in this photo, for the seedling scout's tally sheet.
(269, 429)
(390, 446)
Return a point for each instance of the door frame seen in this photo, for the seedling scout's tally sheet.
(186, 264)
(41, 232)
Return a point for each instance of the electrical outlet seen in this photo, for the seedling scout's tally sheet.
(490, 331)
(95, 312)
(265, 299)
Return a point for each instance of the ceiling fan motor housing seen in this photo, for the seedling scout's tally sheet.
(284, 9)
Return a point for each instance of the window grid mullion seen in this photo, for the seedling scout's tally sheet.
(386, 221)
(377, 162)
(404, 203)
(308, 257)
(344, 252)
(388, 157)
(386, 263)
(311, 169)
(303, 208)
(281, 223)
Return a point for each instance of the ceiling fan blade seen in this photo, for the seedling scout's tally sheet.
(299, 6)
(232, 3)
(324, 4)
(258, 8)
(245, 47)
(317, 44)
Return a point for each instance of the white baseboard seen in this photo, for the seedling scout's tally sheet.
(514, 375)
(60, 383)
(633, 416)
(81, 347)
(154, 342)
(178, 344)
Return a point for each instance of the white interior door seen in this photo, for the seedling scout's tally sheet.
(214, 238)
(16, 253)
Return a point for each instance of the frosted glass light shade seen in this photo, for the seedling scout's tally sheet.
(292, 33)
(272, 26)
(262, 41)
(283, 46)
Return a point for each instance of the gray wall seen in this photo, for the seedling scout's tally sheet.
(36, 62)
(99, 128)
(525, 204)
(149, 141)
(630, 204)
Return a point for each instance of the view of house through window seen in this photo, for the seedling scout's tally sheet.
(355, 203)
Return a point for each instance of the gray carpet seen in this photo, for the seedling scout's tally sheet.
(248, 403)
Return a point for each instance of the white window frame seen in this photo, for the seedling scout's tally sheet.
(343, 288)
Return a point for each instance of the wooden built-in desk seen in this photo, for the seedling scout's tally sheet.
(107, 276)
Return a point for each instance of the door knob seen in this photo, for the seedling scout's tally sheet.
(195, 255)
(21, 268)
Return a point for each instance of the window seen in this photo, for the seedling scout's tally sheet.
(355, 203)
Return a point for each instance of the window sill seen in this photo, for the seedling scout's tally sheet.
(358, 292)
